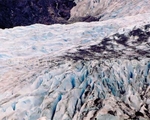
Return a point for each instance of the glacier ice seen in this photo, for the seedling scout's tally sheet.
(89, 10)
(80, 71)
(100, 89)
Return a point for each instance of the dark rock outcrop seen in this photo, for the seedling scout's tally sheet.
(26, 12)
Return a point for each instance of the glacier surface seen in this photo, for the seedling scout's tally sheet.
(81, 71)
(89, 10)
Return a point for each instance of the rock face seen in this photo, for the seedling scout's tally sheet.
(81, 71)
(27, 12)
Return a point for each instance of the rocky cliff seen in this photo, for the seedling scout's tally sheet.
(27, 12)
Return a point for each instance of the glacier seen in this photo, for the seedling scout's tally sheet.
(81, 71)
(100, 10)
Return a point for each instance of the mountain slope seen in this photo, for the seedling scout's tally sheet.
(27, 12)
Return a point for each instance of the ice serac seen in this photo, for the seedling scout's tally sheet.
(81, 71)
(94, 10)
(105, 88)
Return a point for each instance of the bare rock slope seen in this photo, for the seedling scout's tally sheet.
(26, 12)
